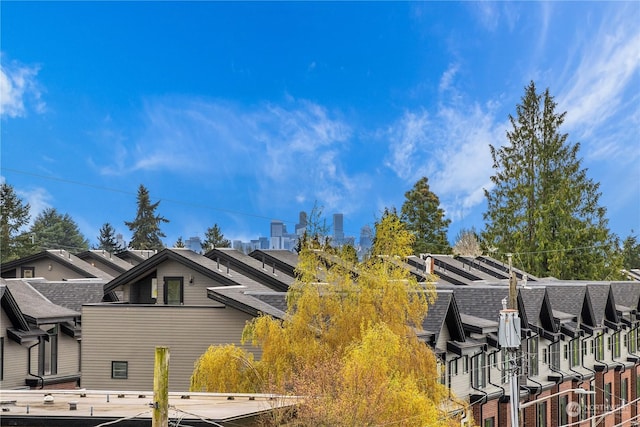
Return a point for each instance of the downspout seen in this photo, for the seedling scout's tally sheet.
(596, 353)
(449, 376)
(485, 398)
(29, 366)
(554, 369)
(613, 347)
(585, 367)
(580, 375)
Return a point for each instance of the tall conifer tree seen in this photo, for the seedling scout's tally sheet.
(425, 219)
(14, 214)
(543, 208)
(146, 226)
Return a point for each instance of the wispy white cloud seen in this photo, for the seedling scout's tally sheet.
(603, 81)
(19, 89)
(450, 147)
(297, 143)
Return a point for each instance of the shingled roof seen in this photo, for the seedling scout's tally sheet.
(37, 309)
(71, 294)
(252, 267)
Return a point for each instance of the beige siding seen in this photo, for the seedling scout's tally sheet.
(68, 354)
(56, 273)
(15, 363)
(443, 338)
(131, 332)
(104, 267)
(461, 383)
(195, 292)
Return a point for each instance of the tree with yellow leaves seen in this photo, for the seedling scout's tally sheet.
(348, 344)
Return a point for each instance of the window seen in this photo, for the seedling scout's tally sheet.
(533, 356)
(27, 272)
(545, 356)
(465, 365)
(173, 290)
(489, 422)
(563, 416)
(1, 358)
(48, 353)
(576, 359)
(453, 367)
(615, 352)
(624, 391)
(566, 351)
(607, 397)
(600, 347)
(555, 355)
(541, 418)
(632, 342)
(609, 343)
(119, 370)
(584, 347)
(479, 375)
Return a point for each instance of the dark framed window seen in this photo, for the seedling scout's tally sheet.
(48, 353)
(541, 416)
(119, 370)
(453, 367)
(479, 374)
(1, 358)
(615, 351)
(27, 272)
(563, 416)
(533, 356)
(624, 390)
(555, 355)
(490, 422)
(174, 290)
(576, 356)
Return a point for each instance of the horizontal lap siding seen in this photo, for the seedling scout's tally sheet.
(68, 354)
(131, 333)
(195, 293)
(15, 363)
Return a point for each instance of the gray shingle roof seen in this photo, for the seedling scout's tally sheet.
(35, 306)
(71, 294)
(106, 257)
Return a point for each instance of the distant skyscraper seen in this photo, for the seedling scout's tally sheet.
(338, 229)
(194, 244)
(302, 225)
(366, 238)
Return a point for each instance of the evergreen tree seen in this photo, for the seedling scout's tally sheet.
(107, 239)
(425, 219)
(214, 238)
(631, 252)
(146, 226)
(543, 208)
(179, 243)
(14, 214)
(52, 230)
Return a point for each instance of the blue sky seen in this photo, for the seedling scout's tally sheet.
(240, 113)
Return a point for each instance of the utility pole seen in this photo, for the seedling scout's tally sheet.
(161, 388)
(509, 339)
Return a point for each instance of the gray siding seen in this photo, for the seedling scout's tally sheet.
(15, 363)
(131, 332)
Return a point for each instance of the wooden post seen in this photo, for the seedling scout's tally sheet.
(161, 388)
